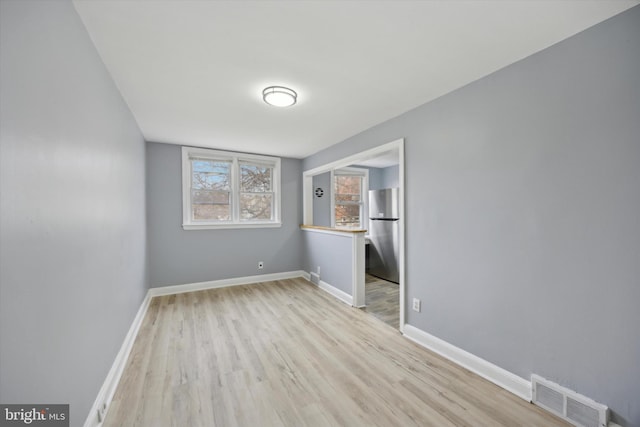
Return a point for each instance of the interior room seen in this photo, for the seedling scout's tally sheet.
(345, 197)
(287, 213)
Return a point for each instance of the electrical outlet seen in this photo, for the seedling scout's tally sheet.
(260, 265)
(416, 305)
(101, 412)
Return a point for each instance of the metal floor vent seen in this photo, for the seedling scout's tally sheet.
(567, 404)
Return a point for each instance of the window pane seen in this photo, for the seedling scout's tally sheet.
(347, 188)
(202, 197)
(255, 178)
(210, 205)
(210, 174)
(256, 206)
(211, 212)
(347, 215)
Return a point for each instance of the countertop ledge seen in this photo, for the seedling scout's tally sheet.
(339, 230)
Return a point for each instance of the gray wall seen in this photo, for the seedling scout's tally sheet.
(72, 210)
(375, 177)
(391, 177)
(333, 254)
(178, 257)
(522, 231)
(322, 205)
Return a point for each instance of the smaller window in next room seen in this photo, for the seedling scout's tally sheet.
(222, 189)
(350, 187)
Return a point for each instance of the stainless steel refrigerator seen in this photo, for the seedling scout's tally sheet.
(384, 230)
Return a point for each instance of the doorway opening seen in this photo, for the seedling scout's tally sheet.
(382, 291)
(382, 300)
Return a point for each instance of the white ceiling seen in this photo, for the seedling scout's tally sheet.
(384, 160)
(192, 72)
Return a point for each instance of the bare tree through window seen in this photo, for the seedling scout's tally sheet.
(256, 192)
(348, 200)
(210, 190)
(229, 190)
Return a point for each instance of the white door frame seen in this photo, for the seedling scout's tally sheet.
(307, 202)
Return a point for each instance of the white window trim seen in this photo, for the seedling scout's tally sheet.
(364, 207)
(235, 158)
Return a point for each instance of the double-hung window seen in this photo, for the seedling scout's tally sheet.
(229, 190)
(350, 187)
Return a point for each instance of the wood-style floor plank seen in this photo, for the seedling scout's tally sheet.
(382, 299)
(285, 353)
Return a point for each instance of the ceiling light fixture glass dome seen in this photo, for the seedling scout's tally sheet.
(279, 96)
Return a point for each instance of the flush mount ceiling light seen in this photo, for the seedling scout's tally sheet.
(279, 96)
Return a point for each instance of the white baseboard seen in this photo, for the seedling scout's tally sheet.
(105, 395)
(191, 287)
(341, 295)
(497, 375)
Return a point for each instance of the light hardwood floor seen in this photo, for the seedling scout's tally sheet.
(285, 353)
(383, 300)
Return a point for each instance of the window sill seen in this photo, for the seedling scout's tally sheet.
(230, 226)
